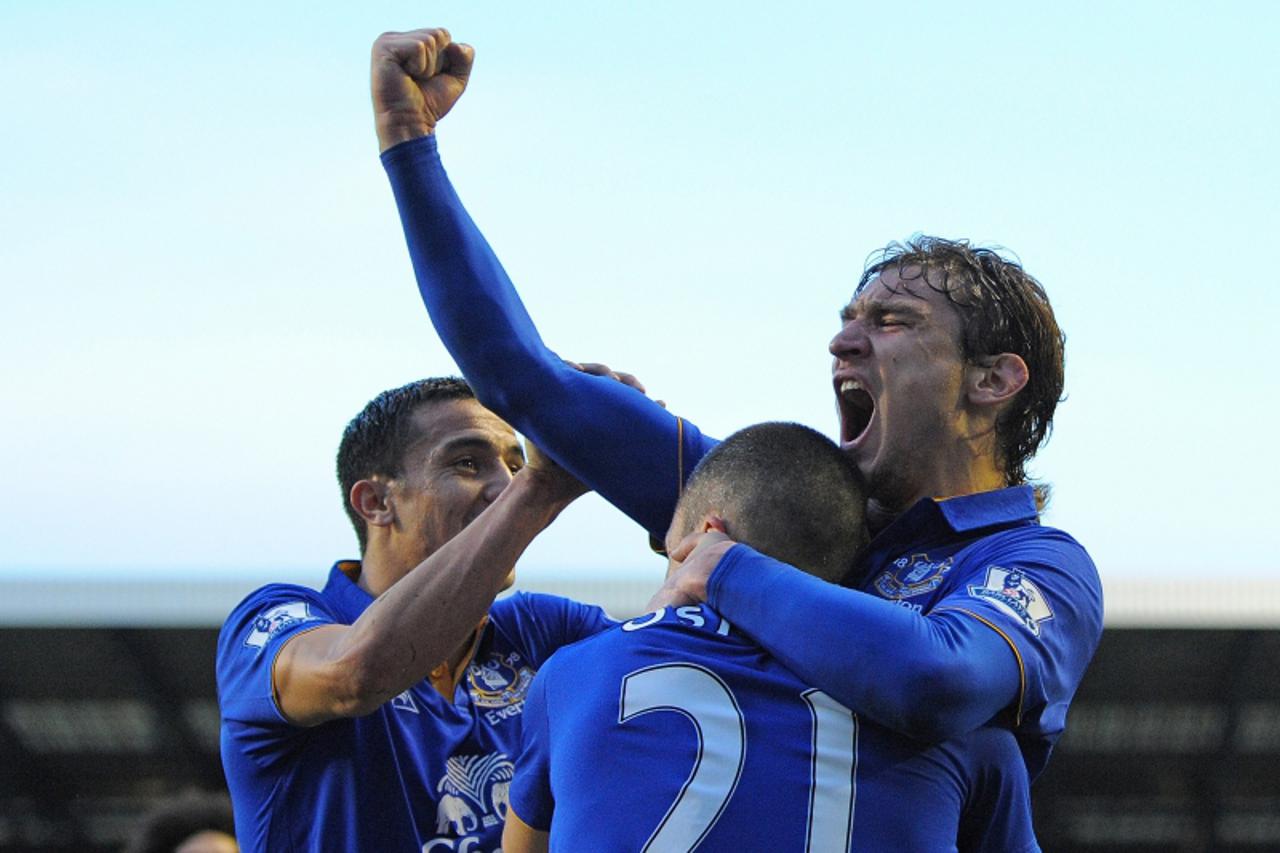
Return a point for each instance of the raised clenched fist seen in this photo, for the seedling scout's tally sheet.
(417, 77)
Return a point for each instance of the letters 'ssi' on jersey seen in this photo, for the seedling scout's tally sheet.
(421, 774)
(673, 732)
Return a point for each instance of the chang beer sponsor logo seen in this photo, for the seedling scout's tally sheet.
(499, 684)
(473, 799)
(912, 576)
(1013, 592)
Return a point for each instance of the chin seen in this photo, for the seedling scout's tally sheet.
(509, 582)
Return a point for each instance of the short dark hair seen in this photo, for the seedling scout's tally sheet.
(173, 821)
(375, 441)
(786, 490)
(1002, 309)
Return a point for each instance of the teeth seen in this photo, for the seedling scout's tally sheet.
(850, 385)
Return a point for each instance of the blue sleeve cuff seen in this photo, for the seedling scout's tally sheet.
(421, 148)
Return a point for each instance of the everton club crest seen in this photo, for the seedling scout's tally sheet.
(912, 576)
(499, 681)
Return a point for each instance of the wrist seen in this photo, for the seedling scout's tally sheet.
(545, 491)
(393, 130)
(720, 568)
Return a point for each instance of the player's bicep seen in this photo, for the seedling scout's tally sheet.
(311, 682)
(519, 837)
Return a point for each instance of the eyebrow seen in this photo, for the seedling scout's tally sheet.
(895, 305)
(462, 442)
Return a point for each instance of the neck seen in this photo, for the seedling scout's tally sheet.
(445, 677)
(946, 481)
(380, 569)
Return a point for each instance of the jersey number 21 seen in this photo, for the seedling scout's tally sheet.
(703, 697)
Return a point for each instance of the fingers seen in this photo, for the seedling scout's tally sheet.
(423, 54)
(705, 536)
(407, 50)
(543, 467)
(416, 79)
(596, 369)
(692, 562)
(686, 546)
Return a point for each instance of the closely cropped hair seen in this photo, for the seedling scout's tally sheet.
(1002, 309)
(376, 439)
(786, 491)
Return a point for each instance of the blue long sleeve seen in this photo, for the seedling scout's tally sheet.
(931, 677)
(928, 676)
(611, 437)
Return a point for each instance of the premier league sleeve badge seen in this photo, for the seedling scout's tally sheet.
(1011, 591)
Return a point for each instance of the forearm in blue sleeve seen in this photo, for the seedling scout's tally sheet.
(613, 438)
(930, 677)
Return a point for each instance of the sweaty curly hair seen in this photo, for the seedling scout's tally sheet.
(1002, 309)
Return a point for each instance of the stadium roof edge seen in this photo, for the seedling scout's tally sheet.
(1252, 603)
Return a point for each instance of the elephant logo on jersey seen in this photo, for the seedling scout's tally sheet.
(271, 622)
(499, 681)
(455, 816)
(474, 793)
(912, 576)
(1014, 593)
(500, 797)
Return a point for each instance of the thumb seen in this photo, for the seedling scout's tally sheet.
(456, 61)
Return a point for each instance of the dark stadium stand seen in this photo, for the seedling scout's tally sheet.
(1172, 745)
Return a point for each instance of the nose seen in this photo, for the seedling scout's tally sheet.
(850, 342)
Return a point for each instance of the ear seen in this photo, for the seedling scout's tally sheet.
(996, 379)
(713, 521)
(369, 499)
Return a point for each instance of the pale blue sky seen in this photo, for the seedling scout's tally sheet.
(204, 275)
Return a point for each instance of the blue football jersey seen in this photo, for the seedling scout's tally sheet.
(981, 557)
(421, 773)
(982, 560)
(986, 556)
(674, 732)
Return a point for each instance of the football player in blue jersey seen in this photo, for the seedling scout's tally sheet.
(677, 731)
(383, 711)
(948, 365)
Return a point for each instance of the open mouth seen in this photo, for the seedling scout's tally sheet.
(856, 409)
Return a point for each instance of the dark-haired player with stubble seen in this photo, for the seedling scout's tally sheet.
(676, 731)
(383, 711)
(948, 365)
